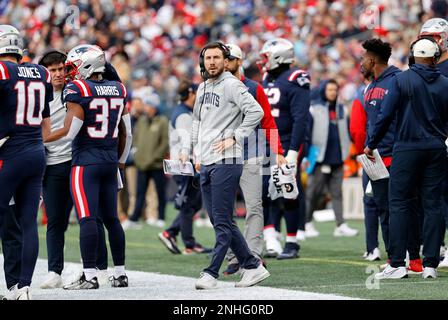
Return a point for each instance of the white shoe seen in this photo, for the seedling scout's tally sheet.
(52, 281)
(151, 221)
(14, 293)
(345, 231)
(429, 273)
(365, 255)
(392, 273)
(301, 235)
(131, 225)
(205, 282)
(310, 230)
(375, 255)
(160, 223)
(103, 277)
(273, 247)
(252, 276)
(383, 266)
(444, 262)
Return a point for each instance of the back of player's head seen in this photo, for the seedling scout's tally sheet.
(185, 88)
(382, 50)
(52, 57)
(11, 42)
(85, 60)
(437, 28)
(276, 52)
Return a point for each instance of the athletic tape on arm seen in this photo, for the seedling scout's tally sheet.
(75, 126)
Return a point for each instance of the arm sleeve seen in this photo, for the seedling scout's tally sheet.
(300, 105)
(252, 111)
(358, 125)
(386, 115)
(268, 122)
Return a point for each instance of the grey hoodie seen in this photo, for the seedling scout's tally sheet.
(223, 108)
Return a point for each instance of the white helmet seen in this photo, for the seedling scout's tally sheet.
(275, 52)
(436, 28)
(11, 41)
(84, 60)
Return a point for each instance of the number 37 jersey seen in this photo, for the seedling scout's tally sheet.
(103, 102)
(25, 93)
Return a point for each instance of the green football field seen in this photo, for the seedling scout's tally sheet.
(326, 264)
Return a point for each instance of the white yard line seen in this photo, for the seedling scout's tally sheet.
(154, 286)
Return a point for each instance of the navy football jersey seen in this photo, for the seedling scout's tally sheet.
(25, 91)
(289, 97)
(103, 102)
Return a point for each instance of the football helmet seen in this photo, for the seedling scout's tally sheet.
(437, 28)
(275, 52)
(11, 42)
(83, 61)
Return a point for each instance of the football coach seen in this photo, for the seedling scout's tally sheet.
(417, 97)
(224, 114)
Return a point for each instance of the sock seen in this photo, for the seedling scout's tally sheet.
(291, 237)
(269, 232)
(119, 271)
(90, 273)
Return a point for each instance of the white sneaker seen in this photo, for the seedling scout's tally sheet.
(160, 223)
(131, 225)
(206, 282)
(365, 255)
(301, 235)
(383, 266)
(345, 231)
(392, 273)
(252, 276)
(14, 293)
(52, 281)
(375, 255)
(151, 221)
(103, 277)
(273, 247)
(444, 262)
(310, 230)
(429, 273)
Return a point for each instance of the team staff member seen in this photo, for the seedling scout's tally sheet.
(437, 28)
(188, 198)
(251, 181)
(223, 116)
(417, 97)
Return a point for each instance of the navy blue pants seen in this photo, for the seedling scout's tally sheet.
(94, 190)
(11, 237)
(143, 178)
(188, 206)
(416, 173)
(58, 205)
(219, 183)
(21, 177)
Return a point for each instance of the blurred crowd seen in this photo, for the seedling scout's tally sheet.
(155, 42)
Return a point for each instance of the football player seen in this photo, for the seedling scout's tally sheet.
(96, 111)
(26, 92)
(288, 91)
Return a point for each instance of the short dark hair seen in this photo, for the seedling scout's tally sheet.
(380, 49)
(52, 57)
(216, 44)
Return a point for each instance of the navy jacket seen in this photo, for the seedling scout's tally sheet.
(420, 124)
(374, 96)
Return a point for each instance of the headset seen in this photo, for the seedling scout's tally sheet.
(437, 54)
(225, 51)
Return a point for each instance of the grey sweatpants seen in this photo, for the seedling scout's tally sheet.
(251, 183)
(316, 187)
